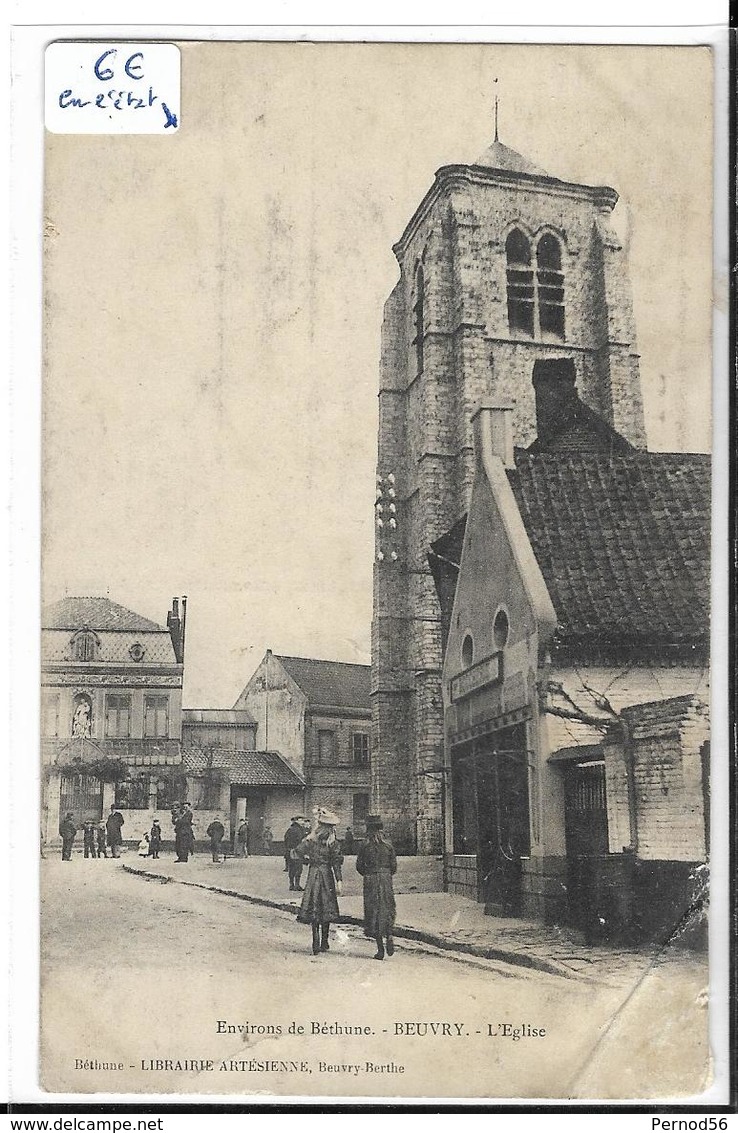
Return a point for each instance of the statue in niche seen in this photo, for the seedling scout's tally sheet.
(82, 719)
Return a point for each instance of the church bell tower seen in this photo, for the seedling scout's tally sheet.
(501, 265)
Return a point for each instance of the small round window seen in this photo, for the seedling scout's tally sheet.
(500, 629)
(467, 651)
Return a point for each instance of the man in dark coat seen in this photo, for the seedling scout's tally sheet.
(376, 861)
(215, 833)
(114, 828)
(241, 838)
(293, 836)
(68, 832)
(88, 839)
(189, 827)
(183, 836)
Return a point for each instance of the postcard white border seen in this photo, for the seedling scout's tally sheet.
(630, 25)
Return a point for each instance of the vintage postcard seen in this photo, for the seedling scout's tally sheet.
(375, 663)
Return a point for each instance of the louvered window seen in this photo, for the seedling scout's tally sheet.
(520, 297)
(550, 279)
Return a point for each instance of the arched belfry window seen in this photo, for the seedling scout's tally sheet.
(520, 299)
(419, 318)
(550, 280)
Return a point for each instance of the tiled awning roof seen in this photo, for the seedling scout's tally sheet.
(245, 768)
(229, 717)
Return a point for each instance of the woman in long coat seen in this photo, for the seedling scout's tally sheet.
(376, 861)
(323, 855)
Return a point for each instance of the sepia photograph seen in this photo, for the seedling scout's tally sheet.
(375, 752)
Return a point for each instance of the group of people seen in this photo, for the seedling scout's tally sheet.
(106, 834)
(184, 834)
(320, 850)
(305, 844)
(258, 840)
(97, 837)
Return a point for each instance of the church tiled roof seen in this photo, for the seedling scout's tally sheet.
(330, 684)
(95, 613)
(622, 542)
(499, 156)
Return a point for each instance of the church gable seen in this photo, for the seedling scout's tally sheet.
(491, 612)
(501, 603)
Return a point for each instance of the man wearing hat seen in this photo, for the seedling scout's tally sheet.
(114, 827)
(292, 838)
(376, 861)
(323, 886)
(68, 832)
(215, 832)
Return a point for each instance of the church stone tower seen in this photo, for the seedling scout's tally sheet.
(500, 265)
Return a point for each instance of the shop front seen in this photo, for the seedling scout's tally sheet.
(490, 816)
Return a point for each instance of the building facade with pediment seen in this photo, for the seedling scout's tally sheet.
(111, 709)
(113, 731)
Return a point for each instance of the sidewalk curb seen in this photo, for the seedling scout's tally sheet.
(518, 959)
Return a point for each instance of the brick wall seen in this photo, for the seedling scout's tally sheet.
(334, 784)
(637, 683)
(664, 744)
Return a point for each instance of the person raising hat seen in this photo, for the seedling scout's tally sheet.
(323, 855)
(292, 838)
(376, 861)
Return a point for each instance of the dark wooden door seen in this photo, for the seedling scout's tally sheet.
(504, 820)
(256, 821)
(586, 842)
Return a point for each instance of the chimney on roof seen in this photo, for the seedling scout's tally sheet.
(554, 380)
(174, 626)
(184, 624)
(492, 425)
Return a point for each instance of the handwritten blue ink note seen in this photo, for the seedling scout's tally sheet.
(93, 87)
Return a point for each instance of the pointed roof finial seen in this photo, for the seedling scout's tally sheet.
(497, 136)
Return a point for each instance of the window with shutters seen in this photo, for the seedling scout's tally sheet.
(156, 716)
(50, 713)
(360, 748)
(85, 646)
(118, 715)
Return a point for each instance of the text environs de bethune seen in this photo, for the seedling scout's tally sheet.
(399, 1028)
